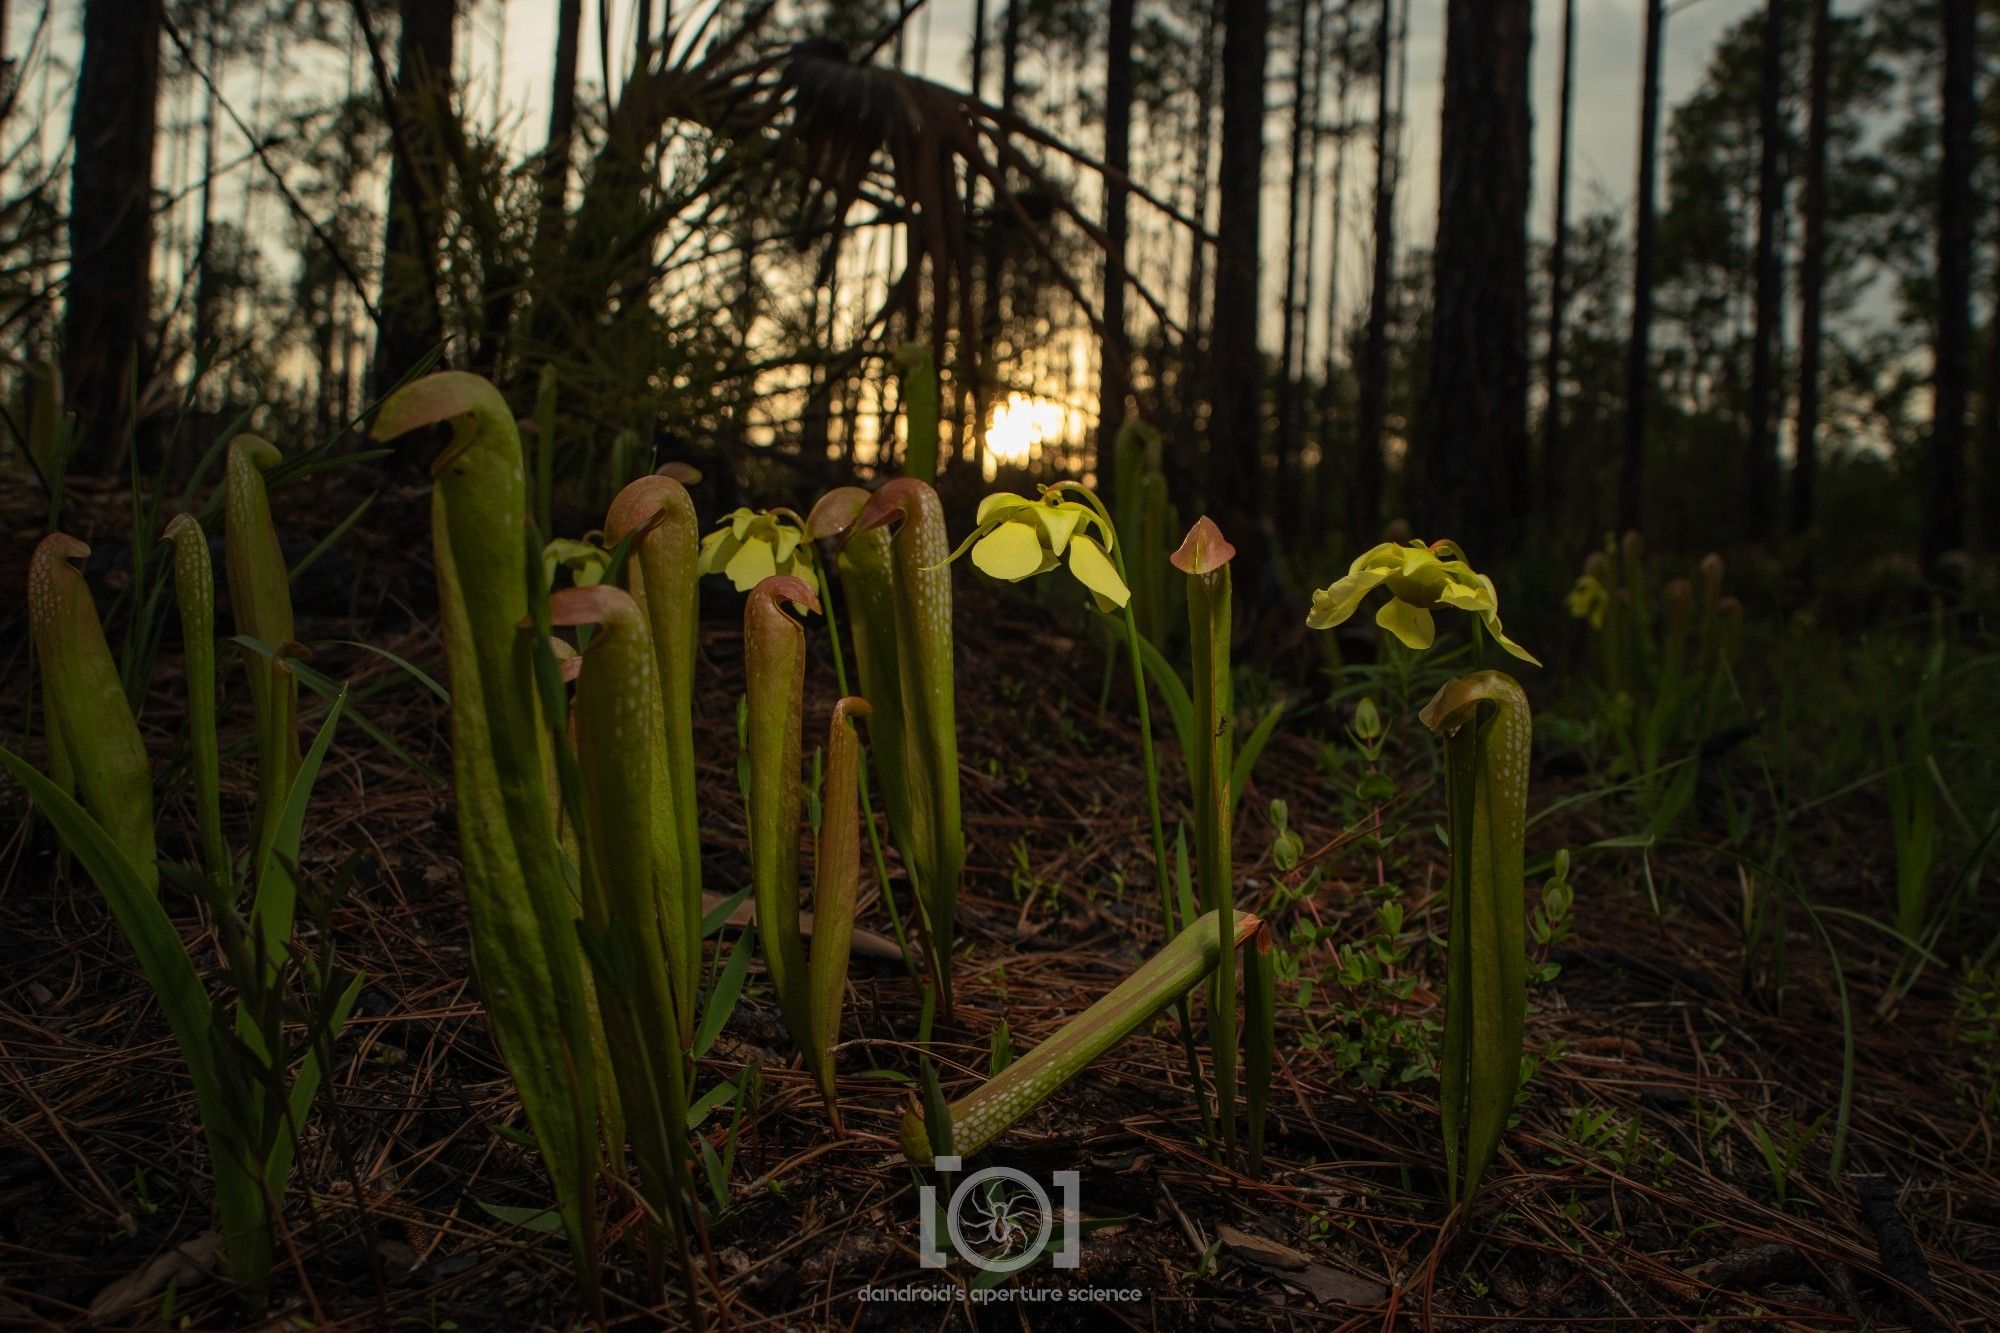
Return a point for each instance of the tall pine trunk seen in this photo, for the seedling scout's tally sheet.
(1762, 472)
(1476, 404)
(1330, 406)
(1235, 463)
(981, 375)
(1290, 317)
(412, 323)
(995, 260)
(1193, 379)
(551, 215)
(1639, 348)
(1114, 374)
(1812, 273)
(1944, 482)
(1300, 510)
(1372, 400)
(106, 312)
(1555, 466)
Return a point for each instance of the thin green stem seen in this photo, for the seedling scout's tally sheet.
(1158, 829)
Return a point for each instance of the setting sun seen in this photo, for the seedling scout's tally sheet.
(1018, 426)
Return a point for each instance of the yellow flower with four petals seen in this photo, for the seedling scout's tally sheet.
(751, 545)
(1017, 538)
(1420, 578)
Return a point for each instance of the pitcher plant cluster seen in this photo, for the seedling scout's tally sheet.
(256, 1069)
(572, 679)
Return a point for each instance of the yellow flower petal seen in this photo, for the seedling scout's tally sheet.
(1337, 601)
(1492, 623)
(750, 566)
(999, 503)
(787, 542)
(1058, 523)
(1094, 570)
(1412, 624)
(1477, 596)
(740, 521)
(716, 549)
(1418, 577)
(1012, 551)
(1387, 556)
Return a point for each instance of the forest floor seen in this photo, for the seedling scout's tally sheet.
(1632, 1190)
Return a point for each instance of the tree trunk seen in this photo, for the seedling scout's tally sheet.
(1638, 351)
(1944, 490)
(562, 115)
(551, 217)
(1330, 353)
(1235, 464)
(106, 314)
(1555, 466)
(1762, 474)
(976, 439)
(1288, 310)
(1298, 510)
(1812, 273)
(1372, 403)
(1194, 361)
(1989, 432)
(1114, 368)
(412, 324)
(1476, 417)
(995, 265)
(204, 256)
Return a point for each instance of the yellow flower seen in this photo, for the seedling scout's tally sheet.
(751, 545)
(1419, 578)
(1018, 538)
(1588, 599)
(586, 562)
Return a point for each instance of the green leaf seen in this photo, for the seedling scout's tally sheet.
(1180, 708)
(723, 997)
(543, 1221)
